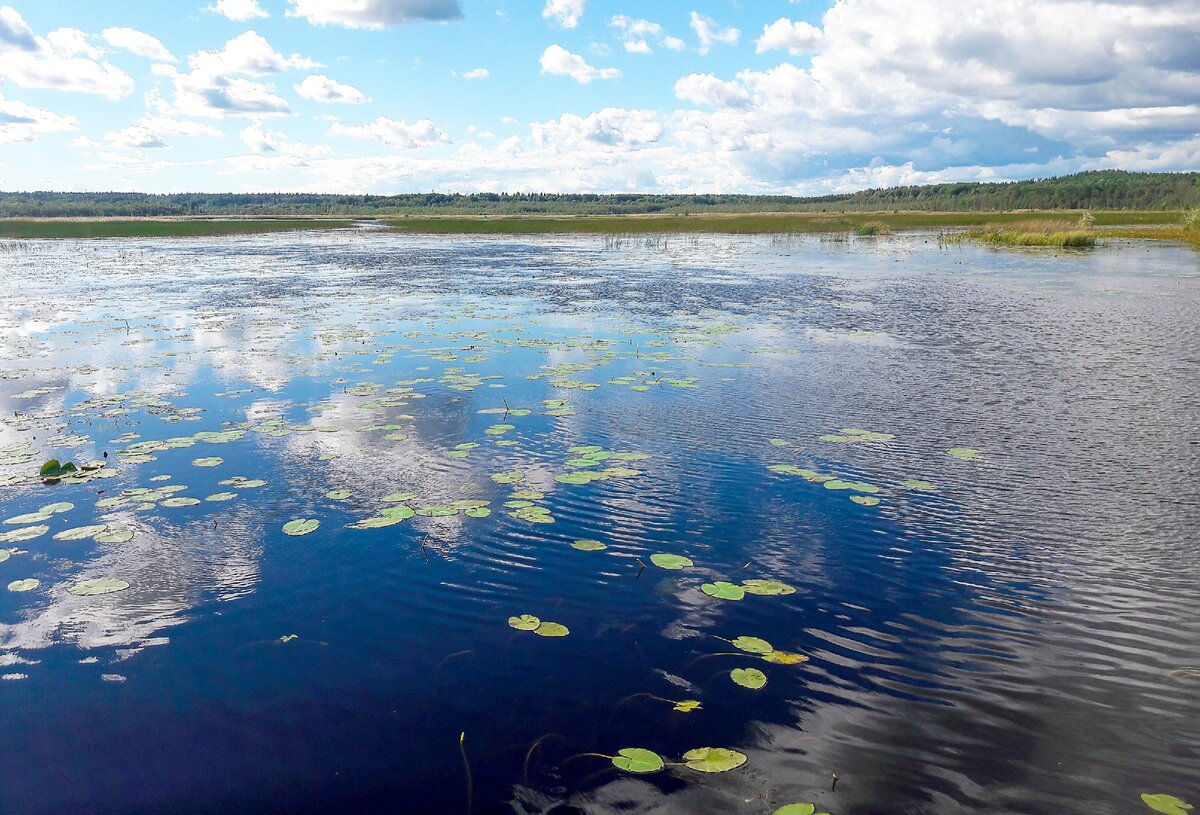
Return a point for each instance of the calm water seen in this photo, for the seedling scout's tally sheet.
(1011, 641)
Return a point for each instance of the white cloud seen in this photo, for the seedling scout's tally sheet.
(558, 60)
(137, 42)
(476, 73)
(565, 13)
(15, 33)
(797, 37)
(264, 143)
(20, 122)
(323, 89)
(393, 133)
(239, 10)
(637, 34)
(706, 89)
(54, 61)
(247, 53)
(373, 13)
(709, 33)
(136, 137)
(610, 127)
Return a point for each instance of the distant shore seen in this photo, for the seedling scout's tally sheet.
(1160, 225)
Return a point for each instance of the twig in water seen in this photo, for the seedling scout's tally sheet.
(833, 787)
(643, 565)
(462, 748)
(425, 551)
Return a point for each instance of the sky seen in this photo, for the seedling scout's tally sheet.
(796, 97)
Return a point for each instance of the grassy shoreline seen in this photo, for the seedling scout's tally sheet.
(983, 226)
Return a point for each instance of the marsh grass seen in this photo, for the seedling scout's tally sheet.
(872, 228)
(26, 228)
(1059, 234)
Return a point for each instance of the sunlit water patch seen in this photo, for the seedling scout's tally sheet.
(364, 522)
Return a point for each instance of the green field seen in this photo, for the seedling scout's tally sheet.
(29, 228)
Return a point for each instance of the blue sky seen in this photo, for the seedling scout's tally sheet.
(769, 96)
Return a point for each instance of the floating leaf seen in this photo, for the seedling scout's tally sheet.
(784, 658)
(670, 562)
(4, 555)
(1167, 804)
(962, 452)
(289, 637)
(399, 497)
(766, 588)
(29, 584)
(210, 461)
(79, 533)
(837, 484)
(528, 495)
(714, 759)
(508, 478)
(477, 512)
(551, 630)
(723, 590)
(98, 585)
(797, 809)
(751, 678)
(780, 442)
(338, 495)
(114, 536)
(55, 509)
(19, 535)
(217, 497)
(437, 511)
(752, 645)
(687, 706)
(588, 545)
(401, 513)
(301, 526)
(920, 486)
(29, 518)
(525, 622)
(637, 760)
(374, 523)
(180, 502)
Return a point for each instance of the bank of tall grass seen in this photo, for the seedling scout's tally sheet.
(1058, 234)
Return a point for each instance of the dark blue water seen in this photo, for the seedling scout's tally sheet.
(1015, 640)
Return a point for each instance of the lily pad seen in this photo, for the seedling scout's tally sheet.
(55, 509)
(525, 622)
(399, 497)
(1167, 804)
(752, 645)
(29, 584)
(751, 678)
(301, 526)
(686, 705)
(588, 545)
(767, 588)
(797, 809)
(217, 497)
(477, 512)
(98, 585)
(551, 630)
(723, 590)
(962, 452)
(670, 562)
(114, 536)
(714, 759)
(181, 502)
(784, 658)
(919, 486)
(637, 760)
(401, 513)
(209, 461)
(338, 495)
(80, 532)
(508, 478)
(29, 518)
(25, 534)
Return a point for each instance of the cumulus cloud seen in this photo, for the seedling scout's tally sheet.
(135, 136)
(20, 122)
(796, 36)
(137, 42)
(476, 73)
(373, 13)
(267, 143)
(71, 42)
(709, 33)
(15, 33)
(321, 88)
(610, 127)
(394, 133)
(558, 60)
(636, 35)
(247, 53)
(239, 10)
(706, 89)
(565, 13)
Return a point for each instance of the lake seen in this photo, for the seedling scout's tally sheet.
(922, 517)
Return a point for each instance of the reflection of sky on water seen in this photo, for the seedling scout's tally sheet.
(960, 642)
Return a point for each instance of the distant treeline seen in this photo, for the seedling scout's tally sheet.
(1101, 190)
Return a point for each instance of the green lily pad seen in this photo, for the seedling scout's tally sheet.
(751, 678)
(837, 484)
(919, 486)
(477, 512)
(1167, 804)
(374, 523)
(209, 461)
(797, 809)
(525, 622)
(29, 584)
(637, 760)
(217, 497)
(780, 442)
(509, 477)
(25, 534)
(401, 513)
(865, 500)
(518, 504)
(962, 452)
(752, 645)
(588, 545)
(180, 502)
(114, 536)
(437, 511)
(4, 555)
(784, 658)
(301, 526)
(29, 518)
(551, 630)
(670, 562)
(714, 759)
(580, 477)
(98, 585)
(78, 533)
(767, 588)
(55, 509)
(723, 590)
(687, 705)
(399, 497)
(338, 495)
